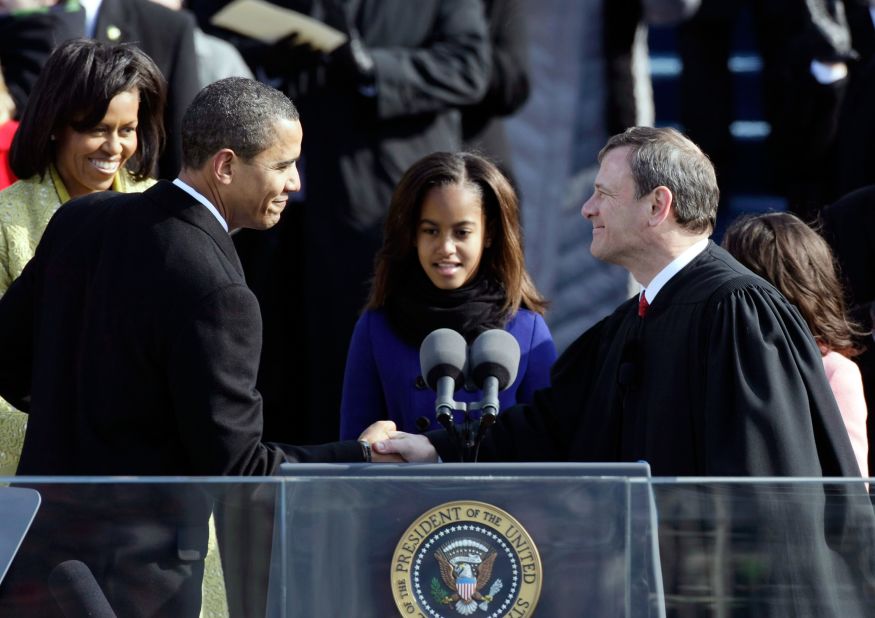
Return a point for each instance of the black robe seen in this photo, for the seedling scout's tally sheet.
(722, 378)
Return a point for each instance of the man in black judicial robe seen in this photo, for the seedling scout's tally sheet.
(721, 378)
(710, 371)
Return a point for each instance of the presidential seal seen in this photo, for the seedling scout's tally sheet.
(466, 559)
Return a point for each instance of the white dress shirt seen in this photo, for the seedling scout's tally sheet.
(200, 198)
(674, 267)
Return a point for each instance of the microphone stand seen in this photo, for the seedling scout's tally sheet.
(443, 357)
(489, 406)
(473, 429)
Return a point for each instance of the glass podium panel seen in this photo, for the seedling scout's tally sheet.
(449, 540)
(766, 547)
(371, 541)
(18, 507)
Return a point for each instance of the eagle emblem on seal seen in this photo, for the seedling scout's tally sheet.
(466, 567)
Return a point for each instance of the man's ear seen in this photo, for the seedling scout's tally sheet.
(661, 201)
(223, 166)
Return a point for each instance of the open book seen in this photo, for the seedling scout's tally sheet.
(269, 23)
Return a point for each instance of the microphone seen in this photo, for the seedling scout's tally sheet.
(77, 593)
(442, 358)
(495, 359)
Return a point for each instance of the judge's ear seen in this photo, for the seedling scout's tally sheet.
(661, 200)
(222, 166)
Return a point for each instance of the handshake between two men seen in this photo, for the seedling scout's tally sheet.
(389, 445)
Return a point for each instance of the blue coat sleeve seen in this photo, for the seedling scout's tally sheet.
(542, 354)
(363, 401)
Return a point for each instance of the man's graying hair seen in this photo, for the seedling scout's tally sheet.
(235, 113)
(664, 157)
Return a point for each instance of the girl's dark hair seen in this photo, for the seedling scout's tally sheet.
(503, 259)
(782, 249)
(74, 89)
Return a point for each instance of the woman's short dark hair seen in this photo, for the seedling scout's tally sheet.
(785, 251)
(503, 259)
(74, 89)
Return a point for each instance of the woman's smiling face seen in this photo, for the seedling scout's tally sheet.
(88, 160)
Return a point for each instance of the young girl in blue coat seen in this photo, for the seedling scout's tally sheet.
(452, 257)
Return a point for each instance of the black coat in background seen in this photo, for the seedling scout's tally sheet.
(803, 114)
(132, 341)
(508, 89)
(620, 21)
(854, 160)
(26, 42)
(167, 36)
(849, 227)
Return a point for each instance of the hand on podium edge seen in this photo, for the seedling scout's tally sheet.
(411, 447)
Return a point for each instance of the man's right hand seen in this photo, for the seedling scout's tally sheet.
(412, 448)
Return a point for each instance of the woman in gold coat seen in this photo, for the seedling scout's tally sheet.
(93, 122)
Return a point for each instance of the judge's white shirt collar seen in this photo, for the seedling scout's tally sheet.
(199, 197)
(676, 265)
